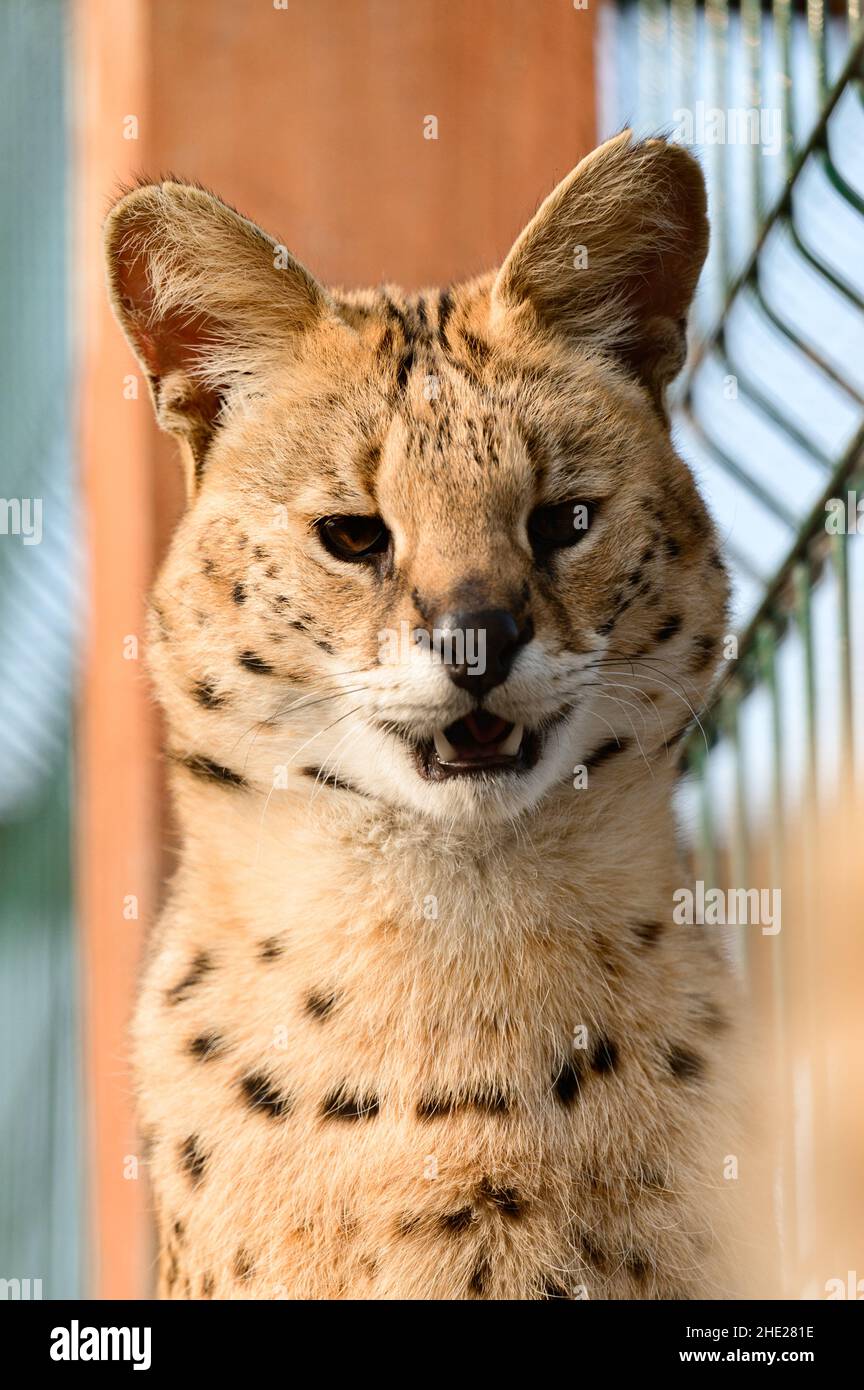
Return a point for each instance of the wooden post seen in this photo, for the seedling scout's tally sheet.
(118, 806)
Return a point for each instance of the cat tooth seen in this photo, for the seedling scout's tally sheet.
(513, 742)
(444, 748)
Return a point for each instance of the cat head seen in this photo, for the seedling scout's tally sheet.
(439, 550)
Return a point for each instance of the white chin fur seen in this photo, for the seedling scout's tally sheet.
(384, 768)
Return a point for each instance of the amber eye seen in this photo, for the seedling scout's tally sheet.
(353, 537)
(560, 525)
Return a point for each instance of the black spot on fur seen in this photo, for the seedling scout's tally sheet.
(604, 1056)
(238, 593)
(460, 1220)
(649, 933)
(651, 1179)
(260, 553)
(431, 1107)
(339, 1105)
(399, 316)
(260, 1094)
(671, 546)
(319, 1005)
(372, 456)
(669, 628)
(479, 1280)
(704, 652)
(207, 695)
(422, 606)
(206, 1046)
(201, 965)
(592, 1252)
(638, 1264)
(179, 1231)
(568, 1081)
(404, 371)
(445, 309)
(477, 350)
(270, 948)
(212, 772)
(504, 1199)
(193, 1158)
(610, 749)
(550, 1289)
(610, 962)
(712, 1017)
(243, 1266)
(252, 662)
(330, 779)
(493, 1101)
(684, 1064)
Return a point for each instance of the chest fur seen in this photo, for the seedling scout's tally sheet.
(362, 1084)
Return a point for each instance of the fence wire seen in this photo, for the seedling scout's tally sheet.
(770, 411)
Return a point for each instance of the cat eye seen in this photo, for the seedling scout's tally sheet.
(353, 537)
(561, 524)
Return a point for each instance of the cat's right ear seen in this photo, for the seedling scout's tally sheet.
(205, 299)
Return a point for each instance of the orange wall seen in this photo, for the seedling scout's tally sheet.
(118, 808)
(310, 120)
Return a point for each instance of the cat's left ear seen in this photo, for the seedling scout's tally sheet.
(207, 301)
(612, 258)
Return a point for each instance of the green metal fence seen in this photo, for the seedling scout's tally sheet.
(771, 410)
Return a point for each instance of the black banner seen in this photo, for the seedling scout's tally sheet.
(66, 1339)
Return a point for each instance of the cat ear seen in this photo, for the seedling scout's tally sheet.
(204, 297)
(613, 256)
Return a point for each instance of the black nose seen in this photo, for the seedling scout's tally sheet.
(479, 648)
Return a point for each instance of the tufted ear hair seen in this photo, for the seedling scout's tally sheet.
(613, 255)
(205, 299)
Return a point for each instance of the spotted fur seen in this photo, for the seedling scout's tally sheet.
(397, 1039)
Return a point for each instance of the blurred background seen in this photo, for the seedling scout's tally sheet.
(312, 118)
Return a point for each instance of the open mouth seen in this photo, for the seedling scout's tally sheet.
(479, 742)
